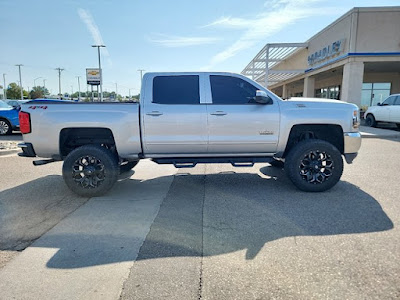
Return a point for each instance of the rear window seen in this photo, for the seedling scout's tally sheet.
(176, 89)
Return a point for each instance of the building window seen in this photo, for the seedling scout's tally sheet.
(332, 92)
(373, 93)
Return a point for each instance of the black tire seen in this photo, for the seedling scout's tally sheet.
(5, 127)
(314, 165)
(128, 166)
(277, 164)
(370, 121)
(90, 170)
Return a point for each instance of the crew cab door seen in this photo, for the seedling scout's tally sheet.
(383, 112)
(174, 120)
(237, 124)
(395, 111)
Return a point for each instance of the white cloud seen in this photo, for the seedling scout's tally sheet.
(280, 14)
(182, 41)
(88, 20)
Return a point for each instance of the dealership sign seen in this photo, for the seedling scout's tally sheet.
(326, 52)
(93, 76)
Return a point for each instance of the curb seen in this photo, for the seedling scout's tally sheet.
(9, 151)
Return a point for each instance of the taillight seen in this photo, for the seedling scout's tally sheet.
(24, 122)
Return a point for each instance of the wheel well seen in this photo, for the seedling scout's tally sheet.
(327, 132)
(72, 138)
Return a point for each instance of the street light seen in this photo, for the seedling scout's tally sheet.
(101, 73)
(4, 87)
(141, 76)
(34, 81)
(79, 89)
(59, 80)
(20, 80)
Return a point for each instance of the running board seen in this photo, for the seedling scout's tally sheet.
(190, 162)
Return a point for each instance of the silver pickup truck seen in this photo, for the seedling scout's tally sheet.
(189, 118)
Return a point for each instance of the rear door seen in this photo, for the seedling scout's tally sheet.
(237, 124)
(174, 116)
(395, 111)
(382, 112)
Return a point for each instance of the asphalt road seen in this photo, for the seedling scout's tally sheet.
(212, 232)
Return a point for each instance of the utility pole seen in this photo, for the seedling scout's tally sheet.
(130, 94)
(141, 76)
(4, 87)
(44, 83)
(116, 92)
(79, 89)
(59, 80)
(101, 73)
(72, 91)
(34, 81)
(20, 80)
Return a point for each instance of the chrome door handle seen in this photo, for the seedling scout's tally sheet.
(154, 113)
(219, 113)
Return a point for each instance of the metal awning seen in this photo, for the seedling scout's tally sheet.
(260, 68)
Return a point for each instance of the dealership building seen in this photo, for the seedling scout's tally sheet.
(355, 59)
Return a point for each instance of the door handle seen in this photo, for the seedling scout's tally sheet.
(154, 113)
(219, 113)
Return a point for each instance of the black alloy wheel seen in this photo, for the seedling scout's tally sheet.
(314, 165)
(90, 170)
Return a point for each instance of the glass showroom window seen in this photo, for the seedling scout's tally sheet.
(373, 93)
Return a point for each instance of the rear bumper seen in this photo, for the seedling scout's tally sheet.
(352, 142)
(27, 150)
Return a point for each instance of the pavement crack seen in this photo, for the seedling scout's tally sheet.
(200, 291)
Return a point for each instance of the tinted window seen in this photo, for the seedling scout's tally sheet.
(176, 89)
(231, 90)
(397, 102)
(389, 101)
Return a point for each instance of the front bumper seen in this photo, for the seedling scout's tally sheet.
(352, 142)
(27, 150)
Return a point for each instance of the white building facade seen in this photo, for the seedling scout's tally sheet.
(355, 59)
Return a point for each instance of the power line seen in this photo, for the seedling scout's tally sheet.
(59, 80)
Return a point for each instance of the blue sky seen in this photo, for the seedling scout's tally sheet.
(217, 35)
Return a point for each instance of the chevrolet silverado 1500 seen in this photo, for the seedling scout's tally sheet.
(189, 118)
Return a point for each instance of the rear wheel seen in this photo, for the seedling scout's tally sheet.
(370, 121)
(128, 166)
(314, 165)
(5, 127)
(90, 170)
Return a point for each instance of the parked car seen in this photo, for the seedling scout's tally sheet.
(189, 118)
(387, 111)
(15, 103)
(8, 118)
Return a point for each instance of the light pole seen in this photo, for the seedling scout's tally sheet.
(79, 89)
(44, 83)
(34, 81)
(141, 76)
(59, 80)
(5, 87)
(116, 92)
(72, 91)
(101, 73)
(20, 80)
(130, 94)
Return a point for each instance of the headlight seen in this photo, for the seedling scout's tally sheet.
(356, 118)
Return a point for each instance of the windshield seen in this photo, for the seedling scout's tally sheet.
(4, 105)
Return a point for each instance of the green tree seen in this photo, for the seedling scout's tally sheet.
(38, 92)
(13, 91)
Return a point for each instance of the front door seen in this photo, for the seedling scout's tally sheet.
(174, 120)
(237, 124)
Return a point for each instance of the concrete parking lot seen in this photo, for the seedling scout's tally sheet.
(211, 232)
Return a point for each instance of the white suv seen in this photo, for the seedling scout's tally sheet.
(388, 111)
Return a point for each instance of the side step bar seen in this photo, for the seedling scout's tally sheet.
(190, 162)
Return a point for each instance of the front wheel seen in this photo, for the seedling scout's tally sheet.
(314, 165)
(370, 121)
(90, 170)
(5, 127)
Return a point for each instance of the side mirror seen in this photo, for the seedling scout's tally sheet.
(379, 104)
(262, 97)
